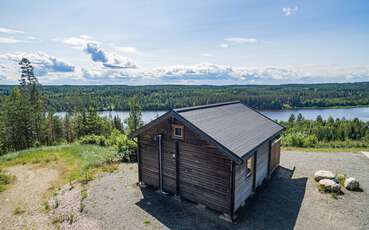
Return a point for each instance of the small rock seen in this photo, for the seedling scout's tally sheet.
(322, 174)
(330, 185)
(352, 183)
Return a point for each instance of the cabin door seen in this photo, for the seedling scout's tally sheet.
(275, 155)
(167, 164)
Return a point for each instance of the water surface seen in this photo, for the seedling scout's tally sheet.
(283, 115)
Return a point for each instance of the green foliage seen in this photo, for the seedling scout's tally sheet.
(126, 148)
(326, 133)
(164, 97)
(5, 180)
(134, 120)
(94, 140)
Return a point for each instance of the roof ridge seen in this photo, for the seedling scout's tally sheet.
(185, 109)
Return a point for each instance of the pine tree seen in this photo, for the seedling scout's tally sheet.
(69, 133)
(134, 120)
(117, 123)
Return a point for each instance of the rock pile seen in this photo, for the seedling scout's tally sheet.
(330, 182)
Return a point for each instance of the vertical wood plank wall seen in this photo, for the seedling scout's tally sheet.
(243, 184)
(204, 172)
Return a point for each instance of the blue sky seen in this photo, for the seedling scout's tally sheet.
(186, 42)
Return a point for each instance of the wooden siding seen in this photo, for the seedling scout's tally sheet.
(204, 172)
(244, 184)
(262, 163)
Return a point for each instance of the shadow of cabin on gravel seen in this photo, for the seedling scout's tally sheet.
(275, 206)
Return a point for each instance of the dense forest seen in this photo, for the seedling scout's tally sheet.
(331, 133)
(163, 97)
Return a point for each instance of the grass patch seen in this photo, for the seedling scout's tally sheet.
(147, 222)
(5, 180)
(46, 206)
(324, 149)
(74, 162)
(18, 211)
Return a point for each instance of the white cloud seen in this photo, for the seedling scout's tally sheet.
(42, 62)
(9, 40)
(224, 45)
(223, 74)
(10, 31)
(79, 41)
(239, 40)
(288, 11)
(108, 59)
(93, 48)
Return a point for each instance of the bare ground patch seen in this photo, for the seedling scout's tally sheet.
(22, 203)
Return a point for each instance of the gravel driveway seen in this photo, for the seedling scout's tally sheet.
(290, 200)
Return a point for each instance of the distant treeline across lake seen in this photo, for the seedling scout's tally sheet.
(165, 97)
(282, 115)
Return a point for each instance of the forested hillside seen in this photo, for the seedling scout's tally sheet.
(162, 97)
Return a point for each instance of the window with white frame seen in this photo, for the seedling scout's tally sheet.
(177, 131)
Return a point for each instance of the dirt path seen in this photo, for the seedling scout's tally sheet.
(21, 204)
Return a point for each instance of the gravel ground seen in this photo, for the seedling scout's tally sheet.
(291, 200)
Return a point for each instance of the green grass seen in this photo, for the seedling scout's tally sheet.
(18, 211)
(5, 180)
(324, 149)
(74, 162)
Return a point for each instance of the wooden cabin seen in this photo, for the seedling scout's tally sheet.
(215, 155)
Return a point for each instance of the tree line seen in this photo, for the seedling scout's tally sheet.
(325, 133)
(165, 97)
(27, 119)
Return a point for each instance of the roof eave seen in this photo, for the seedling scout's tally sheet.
(249, 153)
(150, 124)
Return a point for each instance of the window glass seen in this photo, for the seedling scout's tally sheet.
(250, 166)
(178, 132)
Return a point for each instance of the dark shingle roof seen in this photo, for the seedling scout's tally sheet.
(234, 125)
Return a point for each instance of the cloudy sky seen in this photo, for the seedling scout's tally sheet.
(186, 42)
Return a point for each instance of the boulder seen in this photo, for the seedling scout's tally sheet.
(352, 183)
(330, 185)
(322, 174)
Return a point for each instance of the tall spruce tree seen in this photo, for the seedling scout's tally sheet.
(134, 120)
(22, 112)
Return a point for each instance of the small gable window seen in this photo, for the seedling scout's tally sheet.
(177, 131)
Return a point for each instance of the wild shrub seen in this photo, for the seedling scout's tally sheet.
(94, 140)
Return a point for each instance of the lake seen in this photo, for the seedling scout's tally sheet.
(348, 113)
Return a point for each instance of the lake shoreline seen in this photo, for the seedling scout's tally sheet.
(361, 113)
